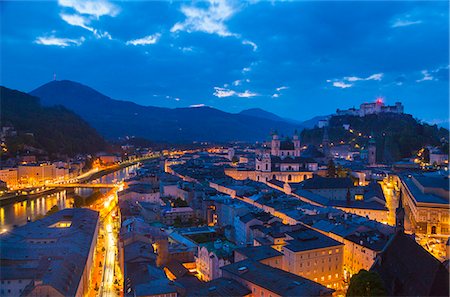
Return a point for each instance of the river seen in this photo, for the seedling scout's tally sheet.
(16, 214)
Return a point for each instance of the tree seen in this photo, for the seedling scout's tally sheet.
(235, 160)
(426, 155)
(366, 283)
(331, 170)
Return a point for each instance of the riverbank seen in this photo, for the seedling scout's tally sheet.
(17, 197)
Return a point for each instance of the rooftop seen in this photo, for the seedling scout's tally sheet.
(275, 280)
(258, 253)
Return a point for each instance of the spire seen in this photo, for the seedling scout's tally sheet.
(400, 215)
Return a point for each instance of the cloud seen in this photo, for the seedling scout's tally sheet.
(275, 95)
(426, 76)
(224, 92)
(197, 105)
(96, 8)
(348, 81)
(186, 49)
(248, 42)
(281, 88)
(340, 84)
(247, 94)
(376, 76)
(239, 82)
(61, 42)
(81, 21)
(150, 39)
(440, 73)
(404, 23)
(246, 69)
(209, 20)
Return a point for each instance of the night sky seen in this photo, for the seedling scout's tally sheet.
(296, 59)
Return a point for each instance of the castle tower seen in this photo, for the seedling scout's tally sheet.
(400, 215)
(275, 147)
(372, 151)
(296, 141)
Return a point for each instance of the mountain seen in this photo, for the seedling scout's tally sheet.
(55, 130)
(397, 136)
(261, 113)
(115, 118)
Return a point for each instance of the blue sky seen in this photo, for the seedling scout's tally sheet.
(296, 59)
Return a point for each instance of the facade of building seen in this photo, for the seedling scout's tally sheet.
(9, 176)
(211, 256)
(315, 256)
(283, 161)
(426, 201)
(35, 173)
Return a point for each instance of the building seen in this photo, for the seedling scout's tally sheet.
(211, 256)
(329, 187)
(315, 256)
(221, 287)
(9, 176)
(50, 257)
(426, 201)
(141, 192)
(363, 239)
(264, 280)
(109, 159)
(283, 161)
(372, 108)
(177, 214)
(372, 151)
(407, 269)
(437, 157)
(33, 174)
(243, 224)
(264, 254)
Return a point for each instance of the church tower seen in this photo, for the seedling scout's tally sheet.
(296, 141)
(372, 151)
(400, 215)
(275, 146)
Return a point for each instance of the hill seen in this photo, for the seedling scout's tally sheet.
(55, 130)
(397, 136)
(261, 113)
(115, 118)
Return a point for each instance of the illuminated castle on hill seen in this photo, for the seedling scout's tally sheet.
(372, 108)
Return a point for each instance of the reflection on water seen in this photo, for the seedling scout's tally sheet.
(17, 213)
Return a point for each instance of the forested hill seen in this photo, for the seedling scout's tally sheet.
(55, 130)
(397, 135)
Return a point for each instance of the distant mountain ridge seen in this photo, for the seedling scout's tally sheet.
(115, 118)
(55, 130)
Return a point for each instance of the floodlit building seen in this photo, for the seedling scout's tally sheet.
(426, 200)
(315, 256)
(9, 176)
(372, 108)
